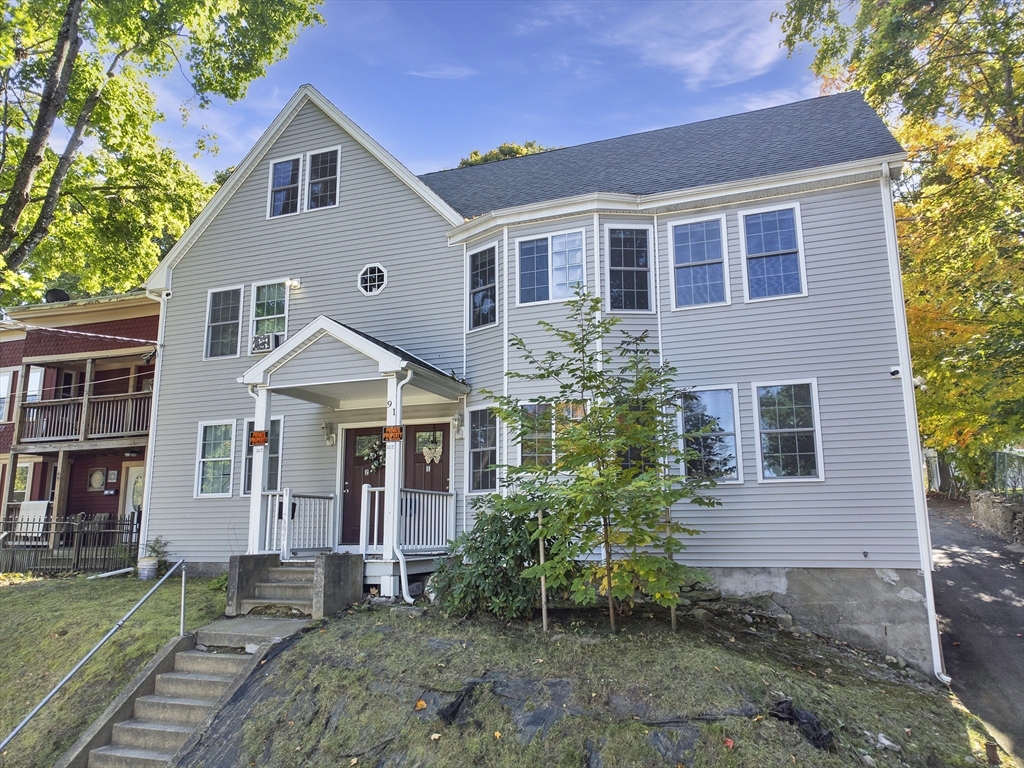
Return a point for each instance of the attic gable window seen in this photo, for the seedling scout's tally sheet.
(284, 187)
(323, 180)
(223, 321)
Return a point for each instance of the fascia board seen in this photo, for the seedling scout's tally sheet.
(160, 278)
(387, 361)
(624, 203)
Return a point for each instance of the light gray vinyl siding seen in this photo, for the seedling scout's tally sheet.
(843, 333)
(378, 219)
(326, 359)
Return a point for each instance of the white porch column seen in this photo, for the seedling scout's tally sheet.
(393, 472)
(260, 464)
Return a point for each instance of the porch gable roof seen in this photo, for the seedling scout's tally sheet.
(389, 358)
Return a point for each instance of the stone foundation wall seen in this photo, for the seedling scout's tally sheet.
(998, 515)
(881, 608)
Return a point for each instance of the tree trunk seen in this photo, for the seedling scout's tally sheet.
(55, 93)
(608, 572)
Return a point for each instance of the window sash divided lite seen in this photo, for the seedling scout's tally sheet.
(691, 438)
(773, 257)
(323, 178)
(700, 282)
(214, 470)
(284, 196)
(219, 325)
(787, 421)
(550, 266)
(630, 280)
(268, 309)
(482, 451)
(482, 273)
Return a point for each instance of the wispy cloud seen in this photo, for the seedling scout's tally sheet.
(444, 72)
(708, 43)
(778, 96)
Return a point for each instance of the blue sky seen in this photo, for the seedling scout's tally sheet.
(432, 81)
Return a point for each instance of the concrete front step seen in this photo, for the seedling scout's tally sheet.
(147, 734)
(169, 709)
(192, 685)
(113, 756)
(291, 573)
(207, 663)
(304, 606)
(284, 590)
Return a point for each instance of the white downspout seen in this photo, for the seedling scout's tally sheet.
(913, 430)
(147, 493)
(403, 567)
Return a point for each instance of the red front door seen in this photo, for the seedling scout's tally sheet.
(427, 457)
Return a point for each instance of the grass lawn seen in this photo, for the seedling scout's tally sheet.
(381, 688)
(49, 624)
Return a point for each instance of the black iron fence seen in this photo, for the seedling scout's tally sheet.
(75, 544)
(1008, 475)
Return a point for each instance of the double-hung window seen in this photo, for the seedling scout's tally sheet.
(269, 308)
(550, 267)
(273, 479)
(788, 435)
(546, 422)
(772, 253)
(6, 382)
(629, 269)
(215, 458)
(322, 184)
(710, 434)
(483, 450)
(34, 392)
(483, 289)
(699, 269)
(223, 322)
(284, 187)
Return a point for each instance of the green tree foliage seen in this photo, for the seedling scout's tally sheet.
(98, 212)
(601, 461)
(503, 152)
(949, 76)
(484, 572)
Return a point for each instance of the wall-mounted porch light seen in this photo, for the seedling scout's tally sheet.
(293, 282)
(329, 436)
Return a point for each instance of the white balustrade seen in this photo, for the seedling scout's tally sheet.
(297, 521)
(371, 524)
(426, 520)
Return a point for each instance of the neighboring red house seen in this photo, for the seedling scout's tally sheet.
(76, 380)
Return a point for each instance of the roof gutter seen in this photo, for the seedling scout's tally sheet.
(593, 202)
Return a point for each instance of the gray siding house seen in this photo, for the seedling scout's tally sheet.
(326, 294)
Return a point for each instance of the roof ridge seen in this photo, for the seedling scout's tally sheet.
(788, 104)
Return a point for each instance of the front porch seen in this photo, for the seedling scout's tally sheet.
(393, 503)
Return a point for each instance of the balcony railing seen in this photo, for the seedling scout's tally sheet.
(106, 416)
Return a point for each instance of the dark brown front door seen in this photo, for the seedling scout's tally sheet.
(364, 463)
(427, 457)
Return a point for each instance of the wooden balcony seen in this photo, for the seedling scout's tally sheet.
(120, 418)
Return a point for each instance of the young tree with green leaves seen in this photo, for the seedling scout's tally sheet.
(601, 458)
(109, 203)
(949, 76)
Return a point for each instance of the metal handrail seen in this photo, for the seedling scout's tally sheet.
(99, 645)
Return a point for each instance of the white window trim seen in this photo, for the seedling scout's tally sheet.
(819, 455)
(359, 279)
(199, 453)
(252, 310)
(30, 465)
(467, 425)
(7, 415)
(723, 223)
(795, 206)
(206, 321)
(304, 176)
(734, 388)
(652, 289)
(39, 372)
(470, 253)
(247, 426)
(582, 231)
(270, 186)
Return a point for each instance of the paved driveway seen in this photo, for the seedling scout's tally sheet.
(979, 596)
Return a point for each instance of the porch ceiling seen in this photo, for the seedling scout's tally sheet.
(347, 395)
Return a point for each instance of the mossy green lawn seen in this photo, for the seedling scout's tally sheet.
(49, 624)
(348, 693)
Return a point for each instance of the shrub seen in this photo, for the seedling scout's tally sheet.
(485, 569)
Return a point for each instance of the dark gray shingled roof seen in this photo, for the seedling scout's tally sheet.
(397, 351)
(791, 137)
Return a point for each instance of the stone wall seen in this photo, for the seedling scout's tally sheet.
(996, 514)
(880, 608)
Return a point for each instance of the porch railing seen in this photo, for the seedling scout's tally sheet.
(371, 524)
(75, 544)
(107, 416)
(298, 521)
(426, 520)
